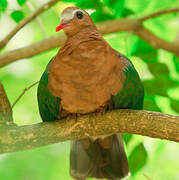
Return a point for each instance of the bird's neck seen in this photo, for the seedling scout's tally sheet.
(85, 33)
(84, 36)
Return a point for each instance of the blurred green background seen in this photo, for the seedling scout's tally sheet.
(159, 70)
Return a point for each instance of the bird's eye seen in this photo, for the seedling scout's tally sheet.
(79, 15)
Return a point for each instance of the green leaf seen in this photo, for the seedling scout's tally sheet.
(110, 3)
(137, 158)
(150, 103)
(127, 12)
(175, 105)
(159, 85)
(127, 138)
(86, 4)
(158, 68)
(17, 15)
(100, 16)
(143, 50)
(176, 63)
(3, 5)
(154, 87)
(21, 2)
(119, 7)
(141, 47)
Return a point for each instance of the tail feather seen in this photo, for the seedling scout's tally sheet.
(81, 165)
(103, 158)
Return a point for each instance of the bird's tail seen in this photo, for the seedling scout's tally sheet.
(102, 158)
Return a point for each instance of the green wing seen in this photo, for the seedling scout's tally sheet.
(49, 105)
(131, 95)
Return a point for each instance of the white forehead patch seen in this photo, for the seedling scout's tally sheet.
(70, 14)
(90, 11)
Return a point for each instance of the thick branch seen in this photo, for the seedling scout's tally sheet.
(26, 21)
(146, 123)
(132, 26)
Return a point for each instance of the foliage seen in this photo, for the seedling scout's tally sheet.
(21, 2)
(3, 5)
(17, 15)
(160, 69)
(140, 154)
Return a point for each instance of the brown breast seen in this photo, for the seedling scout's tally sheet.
(85, 75)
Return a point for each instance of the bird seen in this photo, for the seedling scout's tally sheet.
(88, 76)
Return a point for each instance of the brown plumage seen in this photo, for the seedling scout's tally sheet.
(85, 73)
(83, 67)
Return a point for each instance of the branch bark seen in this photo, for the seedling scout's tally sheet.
(5, 108)
(23, 92)
(133, 26)
(26, 21)
(159, 13)
(153, 124)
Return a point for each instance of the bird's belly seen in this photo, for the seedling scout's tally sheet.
(84, 94)
(85, 84)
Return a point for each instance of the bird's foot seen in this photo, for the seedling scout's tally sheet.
(102, 110)
(72, 116)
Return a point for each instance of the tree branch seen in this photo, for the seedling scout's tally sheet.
(23, 92)
(26, 21)
(153, 124)
(5, 108)
(159, 13)
(31, 50)
(157, 42)
(32, 9)
(130, 25)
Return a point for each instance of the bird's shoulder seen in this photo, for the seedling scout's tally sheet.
(131, 94)
(49, 105)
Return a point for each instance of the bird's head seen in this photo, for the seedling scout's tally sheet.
(73, 20)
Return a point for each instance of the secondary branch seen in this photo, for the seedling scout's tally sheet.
(159, 13)
(132, 26)
(23, 92)
(26, 21)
